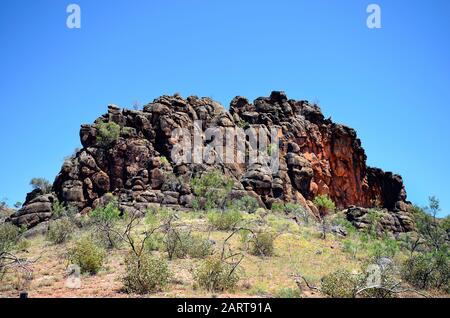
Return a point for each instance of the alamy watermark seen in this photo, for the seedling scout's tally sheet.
(226, 145)
(74, 19)
(374, 19)
(73, 280)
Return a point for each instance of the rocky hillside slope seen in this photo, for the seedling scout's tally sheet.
(317, 156)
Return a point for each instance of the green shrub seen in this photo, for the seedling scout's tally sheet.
(108, 133)
(62, 211)
(215, 275)
(145, 274)
(324, 204)
(262, 243)
(199, 247)
(374, 218)
(383, 247)
(428, 270)
(10, 240)
(176, 243)
(60, 231)
(211, 190)
(278, 208)
(224, 220)
(182, 243)
(351, 246)
(340, 284)
(428, 226)
(9, 237)
(246, 204)
(86, 253)
(297, 210)
(105, 221)
(155, 242)
(163, 160)
(288, 293)
(346, 224)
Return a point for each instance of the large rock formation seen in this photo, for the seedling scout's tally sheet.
(317, 156)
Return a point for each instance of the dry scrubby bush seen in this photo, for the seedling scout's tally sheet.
(216, 275)
(105, 222)
(246, 204)
(199, 247)
(145, 274)
(60, 231)
(262, 244)
(11, 241)
(428, 270)
(180, 243)
(87, 254)
(376, 281)
(340, 284)
(170, 237)
(224, 220)
(292, 209)
(9, 236)
(261, 241)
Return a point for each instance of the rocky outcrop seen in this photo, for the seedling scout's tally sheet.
(317, 157)
(36, 209)
(396, 221)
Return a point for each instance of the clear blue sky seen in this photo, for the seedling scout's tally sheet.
(392, 85)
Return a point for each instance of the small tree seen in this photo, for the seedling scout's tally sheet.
(108, 133)
(324, 204)
(430, 228)
(42, 184)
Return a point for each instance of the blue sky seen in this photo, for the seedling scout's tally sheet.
(392, 84)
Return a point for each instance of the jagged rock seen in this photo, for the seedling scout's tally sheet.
(317, 157)
(390, 221)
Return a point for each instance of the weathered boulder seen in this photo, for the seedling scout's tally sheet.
(36, 209)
